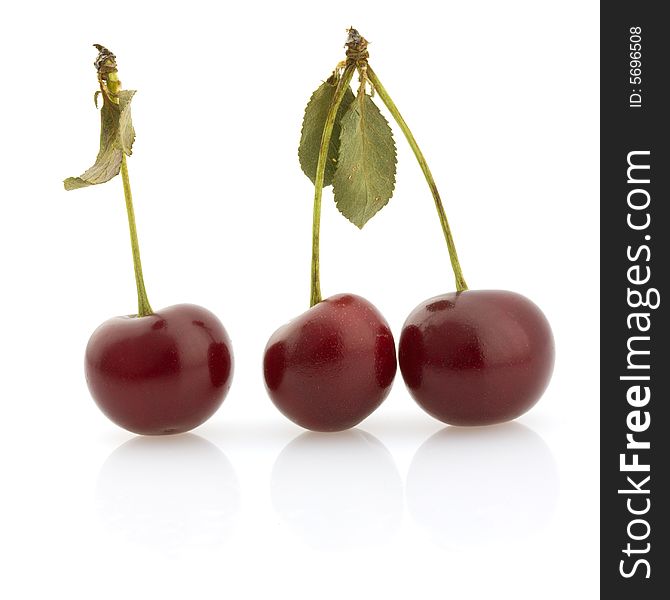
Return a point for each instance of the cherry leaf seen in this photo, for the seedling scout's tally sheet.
(117, 135)
(126, 129)
(365, 177)
(312, 130)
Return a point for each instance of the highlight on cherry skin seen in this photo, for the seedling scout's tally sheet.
(164, 373)
(476, 357)
(332, 366)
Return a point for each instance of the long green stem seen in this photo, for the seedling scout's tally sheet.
(143, 306)
(383, 94)
(343, 84)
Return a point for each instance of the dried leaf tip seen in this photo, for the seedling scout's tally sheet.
(116, 128)
(105, 62)
(357, 46)
(354, 38)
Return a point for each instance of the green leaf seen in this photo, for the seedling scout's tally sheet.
(116, 138)
(312, 130)
(365, 175)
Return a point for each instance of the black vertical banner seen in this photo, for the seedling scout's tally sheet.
(635, 261)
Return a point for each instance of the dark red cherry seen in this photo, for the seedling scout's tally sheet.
(476, 357)
(332, 366)
(164, 373)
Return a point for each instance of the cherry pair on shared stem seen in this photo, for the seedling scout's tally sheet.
(152, 373)
(470, 357)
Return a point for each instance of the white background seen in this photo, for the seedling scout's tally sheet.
(502, 97)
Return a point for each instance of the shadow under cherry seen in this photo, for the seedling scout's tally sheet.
(168, 493)
(338, 491)
(472, 486)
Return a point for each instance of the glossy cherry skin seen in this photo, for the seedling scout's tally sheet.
(164, 373)
(477, 357)
(332, 366)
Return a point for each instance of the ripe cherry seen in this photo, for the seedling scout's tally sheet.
(332, 366)
(167, 372)
(476, 357)
(468, 358)
(154, 372)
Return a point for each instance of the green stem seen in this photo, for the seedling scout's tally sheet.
(383, 94)
(343, 84)
(144, 308)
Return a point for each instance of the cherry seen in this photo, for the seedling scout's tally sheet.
(468, 358)
(476, 357)
(154, 372)
(164, 373)
(332, 366)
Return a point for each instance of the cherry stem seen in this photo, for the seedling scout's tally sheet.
(143, 306)
(453, 255)
(342, 85)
